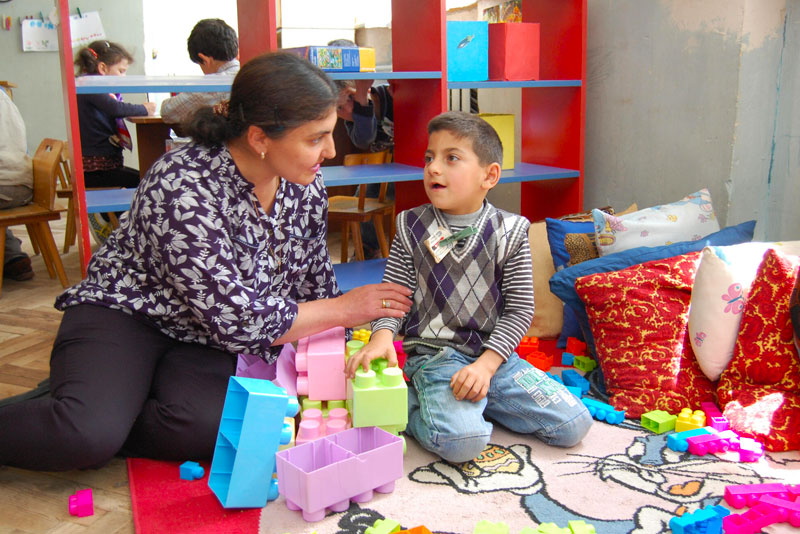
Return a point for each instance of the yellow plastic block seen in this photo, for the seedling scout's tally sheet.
(504, 126)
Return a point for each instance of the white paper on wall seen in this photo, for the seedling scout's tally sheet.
(42, 36)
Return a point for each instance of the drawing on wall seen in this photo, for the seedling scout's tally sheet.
(42, 36)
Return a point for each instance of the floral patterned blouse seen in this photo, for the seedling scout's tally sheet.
(199, 258)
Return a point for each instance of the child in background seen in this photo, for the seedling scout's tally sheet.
(469, 266)
(103, 131)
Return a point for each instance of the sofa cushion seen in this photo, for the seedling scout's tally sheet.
(688, 219)
(794, 311)
(759, 391)
(720, 291)
(549, 310)
(638, 317)
(580, 248)
(562, 283)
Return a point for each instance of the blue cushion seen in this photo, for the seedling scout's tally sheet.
(562, 284)
(557, 231)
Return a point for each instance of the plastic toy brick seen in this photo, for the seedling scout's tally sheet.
(576, 346)
(719, 442)
(540, 360)
(714, 417)
(689, 419)
(550, 528)
(378, 398)
(753, 520)
(604, 412)
(250, 431)
(320, 365)
(191, 471)
(567, 358)
(401, 354)
(581, 527)
(658, 421)
(750, 494)
(288, 422)
(677, 442)
(527, 346)
(362, 334)
(750, 450)
(81, 503)
(324, 406)
(790, 510)
(572, 377)
(584, 363)
(314, 426)
(487, 527)
(383, 526)
(422, 529)
(706, 520)
(330, 472)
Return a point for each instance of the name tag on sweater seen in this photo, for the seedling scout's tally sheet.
(434, 243)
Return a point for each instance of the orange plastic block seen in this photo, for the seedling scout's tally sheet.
(575, 346)
(527, 346)
(422, 529)
(540, 360)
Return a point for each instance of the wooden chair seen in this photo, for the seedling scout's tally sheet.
(64, 190)
(351, 211)
(36, 215)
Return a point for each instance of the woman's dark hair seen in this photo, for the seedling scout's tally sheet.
(108, 52)
(276, 92)
(213, 38)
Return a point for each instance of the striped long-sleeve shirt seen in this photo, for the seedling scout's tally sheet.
(478, 297)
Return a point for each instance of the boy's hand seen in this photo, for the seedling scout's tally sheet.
(472, 382)
(380, 346)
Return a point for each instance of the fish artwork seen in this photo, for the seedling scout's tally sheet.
(465, 41)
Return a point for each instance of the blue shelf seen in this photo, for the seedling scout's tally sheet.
(105, 200)
(499, 85)
(530, 172)
(410, 75)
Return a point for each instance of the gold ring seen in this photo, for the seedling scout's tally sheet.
(384, 303)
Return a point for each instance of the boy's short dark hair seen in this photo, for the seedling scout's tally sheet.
(485, 141)
(213, 38)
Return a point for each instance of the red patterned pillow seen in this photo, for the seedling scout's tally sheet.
(639, 318)
(760, 389)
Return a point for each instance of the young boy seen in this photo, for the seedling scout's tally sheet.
(469, 266)
(213, 45)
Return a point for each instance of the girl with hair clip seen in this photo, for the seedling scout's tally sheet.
(223, 252)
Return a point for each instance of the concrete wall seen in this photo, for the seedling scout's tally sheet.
(683, 95)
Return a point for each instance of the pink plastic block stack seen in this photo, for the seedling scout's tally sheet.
(714, 417)
(330, 472)
(718, 442)
(81, 503)
(320, 365)
(789, 510)
(750, 494)
(314, 426)
(750, 450)
(752, 521)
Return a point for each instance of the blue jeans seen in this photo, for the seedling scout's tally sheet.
(521, 398)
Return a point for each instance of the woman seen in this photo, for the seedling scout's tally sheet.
(222, 252)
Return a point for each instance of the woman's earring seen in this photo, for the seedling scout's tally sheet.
(263, 155)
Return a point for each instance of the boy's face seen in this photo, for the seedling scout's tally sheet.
(455, 180)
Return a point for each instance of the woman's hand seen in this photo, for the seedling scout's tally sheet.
(364, 304)
(380, 346)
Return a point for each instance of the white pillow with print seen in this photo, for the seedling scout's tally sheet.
(719, 294)
(688, 219)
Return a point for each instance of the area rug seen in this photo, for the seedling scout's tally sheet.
(621, 478)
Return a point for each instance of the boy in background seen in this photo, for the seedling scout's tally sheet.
(469, 266)
(214, 46)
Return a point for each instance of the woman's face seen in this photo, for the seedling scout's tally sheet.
(297, 155)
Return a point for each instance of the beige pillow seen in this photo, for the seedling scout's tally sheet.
(548, 317)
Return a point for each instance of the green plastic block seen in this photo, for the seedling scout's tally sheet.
(378, 399)
(551, 528)
(487, 527)
(581, 527)
(584, 363)
(658, 421)
(383, 526)
(528, 530)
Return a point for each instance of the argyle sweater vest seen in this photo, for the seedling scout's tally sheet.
(459, 301)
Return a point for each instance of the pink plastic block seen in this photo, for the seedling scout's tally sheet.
(750, 494)
(753, 520)
(714, 417)
(401, 354)
(330, 472)
(720, 442)
(320, 365)
(81, 503)
(789, 510)
(314, 425)
(750, 450)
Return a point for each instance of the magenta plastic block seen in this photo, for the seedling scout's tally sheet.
(789, 510)
(752, 521)
(320, 365)
(81, 503)
(678, 441)
(328, 473)
(750, 450)
(750, 494)
(719, 442)
(714, 417)
(314, 426)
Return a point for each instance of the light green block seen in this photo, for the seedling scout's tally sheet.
(584, 363)
(581, 527)
(378, 399)
(551, 528)
(487, 527)
(383, 526)
(659, 421)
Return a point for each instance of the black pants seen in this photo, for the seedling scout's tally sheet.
(121, 177)
(118, 385)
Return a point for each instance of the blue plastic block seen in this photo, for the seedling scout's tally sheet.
(604, 412)
(703, 521)
(571, 377)
(677, 441)
(191, 471)
(557, 378)
(467, 51)
(251, 429)
(567, 358)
